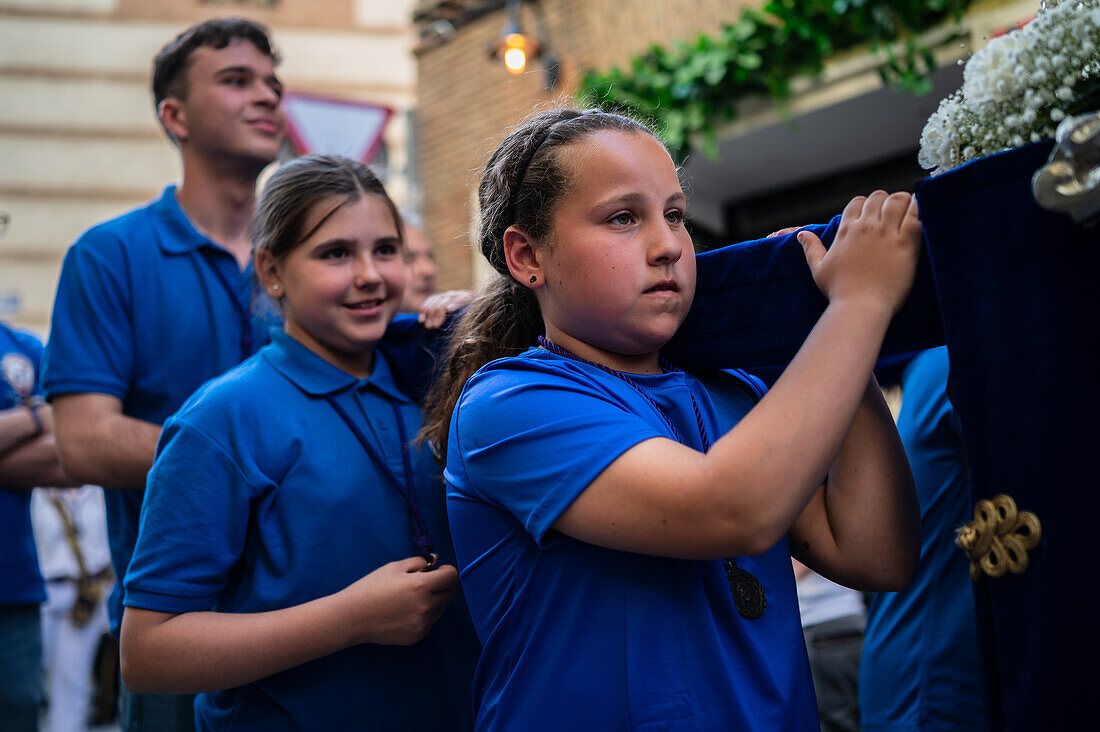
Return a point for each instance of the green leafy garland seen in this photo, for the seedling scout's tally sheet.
(692, 88)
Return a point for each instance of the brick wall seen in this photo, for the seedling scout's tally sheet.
(466, 102)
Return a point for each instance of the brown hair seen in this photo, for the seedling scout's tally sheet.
(296, 187)
(523, 181)
(171, 62)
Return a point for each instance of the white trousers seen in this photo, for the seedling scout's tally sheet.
(68, 653)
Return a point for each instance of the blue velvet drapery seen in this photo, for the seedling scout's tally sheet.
(1017, 286)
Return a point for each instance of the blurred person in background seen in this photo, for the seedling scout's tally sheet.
(422, 270)
(420, 291)
(70, 530)
(28, 458)
(921, 669)
(833, 617)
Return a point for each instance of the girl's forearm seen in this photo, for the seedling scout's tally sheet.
(745, 493)
(785, 446)
(396, 604)
(864, 528)
(207, 651)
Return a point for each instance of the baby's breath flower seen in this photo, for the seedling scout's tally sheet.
(1018, 87)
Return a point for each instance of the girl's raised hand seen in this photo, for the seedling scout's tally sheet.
(875, 252)
(437, 307)
(398, 603)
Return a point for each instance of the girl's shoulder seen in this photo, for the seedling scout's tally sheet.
(251, 387)
(533, 359)
(532, 367)
(537, 364)
(553, 383)
(732, 381)
(252, 416)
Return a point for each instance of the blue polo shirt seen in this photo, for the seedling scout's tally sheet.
(939, 687)
(20, 579)
(262, 498)
(147, 309)
(577, 636)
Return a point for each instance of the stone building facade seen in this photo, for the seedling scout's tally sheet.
(79, 141)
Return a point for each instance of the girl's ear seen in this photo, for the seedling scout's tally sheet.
(522, 258)
(171, 115)
(264, 264)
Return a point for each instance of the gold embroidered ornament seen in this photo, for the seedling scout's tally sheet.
(998, 538)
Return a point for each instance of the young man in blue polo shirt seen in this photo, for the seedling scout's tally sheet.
(152, 304)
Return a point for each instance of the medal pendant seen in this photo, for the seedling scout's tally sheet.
(748, 593)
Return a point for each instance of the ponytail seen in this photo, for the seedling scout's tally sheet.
(521, 186)
(503, 320)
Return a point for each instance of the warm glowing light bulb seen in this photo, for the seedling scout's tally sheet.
(514, 49)
(515, 59)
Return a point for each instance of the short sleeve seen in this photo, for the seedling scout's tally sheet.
(531, 442)
(194, 521)
(91, 347)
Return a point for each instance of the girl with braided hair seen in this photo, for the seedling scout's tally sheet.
(623, 529)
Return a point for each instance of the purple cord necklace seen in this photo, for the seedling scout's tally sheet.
(748, 593)
(406, 488)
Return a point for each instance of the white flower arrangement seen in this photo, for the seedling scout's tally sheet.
(1019, 87)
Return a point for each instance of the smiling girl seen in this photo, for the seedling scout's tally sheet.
(293, 562)
(624, 530)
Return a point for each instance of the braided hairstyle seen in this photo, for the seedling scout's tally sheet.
(523, 181)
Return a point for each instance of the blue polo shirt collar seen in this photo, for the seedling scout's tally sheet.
(317, 377)
(175, 232)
